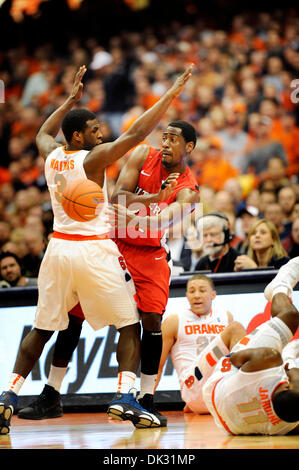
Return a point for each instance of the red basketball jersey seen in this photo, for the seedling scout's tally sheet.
(151, 177)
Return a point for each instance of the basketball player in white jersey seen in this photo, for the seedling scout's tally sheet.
(196, 338)
(256, 389)
(81, 263)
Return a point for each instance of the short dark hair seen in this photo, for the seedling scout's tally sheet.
(285, 405)
(202, 277)
(188, 131)
(8, 254)
(75, 120)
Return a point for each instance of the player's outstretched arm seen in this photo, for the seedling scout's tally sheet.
(104, 154)
(186, 202)
(45, 139)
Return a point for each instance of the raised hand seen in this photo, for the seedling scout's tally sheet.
(78, 85)
(180, 82)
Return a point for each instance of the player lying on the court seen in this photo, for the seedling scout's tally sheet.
(81, 261)
(196, 338)
(255, 390)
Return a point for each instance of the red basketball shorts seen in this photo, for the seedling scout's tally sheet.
(150, 271)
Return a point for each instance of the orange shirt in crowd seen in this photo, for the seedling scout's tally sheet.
(214, 172)
(290, 142)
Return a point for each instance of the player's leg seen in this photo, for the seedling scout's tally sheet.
(151, 349)
(29, 352)
(204, 365)
(124, 405)
(285, 280)
(275, 333)
(284, 309)
(48, 404)
(109, 299)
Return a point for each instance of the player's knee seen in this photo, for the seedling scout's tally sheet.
(35, 341)
(133, 330)
(281, 304)
(290, 317)
(151, 321)
(233, 333)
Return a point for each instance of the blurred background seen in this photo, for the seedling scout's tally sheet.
(241, 99)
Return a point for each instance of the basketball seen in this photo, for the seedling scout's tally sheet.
(82, 200)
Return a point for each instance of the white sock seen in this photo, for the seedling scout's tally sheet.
(15, 383)
(287, 276)
(56, 377)
(147, 384)
(126, 380)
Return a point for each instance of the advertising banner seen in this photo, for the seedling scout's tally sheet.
(93, 368)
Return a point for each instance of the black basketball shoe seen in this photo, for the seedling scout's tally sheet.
(147, 402)
(47, 405)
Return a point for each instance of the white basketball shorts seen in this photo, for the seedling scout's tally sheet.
(91, 272)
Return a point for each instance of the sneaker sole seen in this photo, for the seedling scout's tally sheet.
(5, 417)
(141, 421)
(116, 413)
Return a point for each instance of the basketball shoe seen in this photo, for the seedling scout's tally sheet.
(47, 405)
(124, 406)
(147, 402)
(8, 402)
(285, 280)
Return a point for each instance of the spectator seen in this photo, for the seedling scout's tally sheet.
(223, 202)
(276, 173)
(266, 198)
(273, 212)
(193, 249)
(287, 199)
(11, 272)
(118, 85)
(265, 248)
(249, 215)
(234, 140)
(288, 135)
(291, 243)
(252, 95)
(5, 232)
(36, 249)
(218, 256)
(215, 169)
(233, 186)
(262, 148)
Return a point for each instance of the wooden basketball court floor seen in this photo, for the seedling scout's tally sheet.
(97, 431)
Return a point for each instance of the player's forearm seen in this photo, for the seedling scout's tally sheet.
(127, 198)
(169, 216)
(52, 125)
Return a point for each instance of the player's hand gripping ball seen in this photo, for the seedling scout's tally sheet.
(82, 200)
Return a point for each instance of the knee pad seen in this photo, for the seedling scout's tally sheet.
(151, 349)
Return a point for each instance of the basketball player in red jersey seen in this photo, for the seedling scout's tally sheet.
(59, 284)
(142, 181)
(148, 178)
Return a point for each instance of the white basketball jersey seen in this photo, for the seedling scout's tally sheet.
(195, 332)
(243, 406)
(62, 167)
